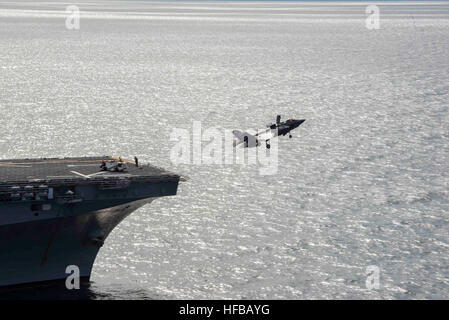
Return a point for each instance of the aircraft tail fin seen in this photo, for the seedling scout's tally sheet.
(244, 136)
(240, 137)
(239, 134)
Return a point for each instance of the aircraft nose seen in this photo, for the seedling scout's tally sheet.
(299, 122)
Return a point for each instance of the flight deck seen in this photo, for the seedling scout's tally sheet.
(78, 169)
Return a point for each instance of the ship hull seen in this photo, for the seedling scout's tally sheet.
(55, 214)
(40, 251)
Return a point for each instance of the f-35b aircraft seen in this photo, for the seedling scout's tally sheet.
(276, 129)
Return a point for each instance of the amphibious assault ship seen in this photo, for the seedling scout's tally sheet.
(56, 213)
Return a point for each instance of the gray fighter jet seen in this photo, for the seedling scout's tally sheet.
(248, 140)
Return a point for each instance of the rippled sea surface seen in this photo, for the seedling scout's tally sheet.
(363, 182)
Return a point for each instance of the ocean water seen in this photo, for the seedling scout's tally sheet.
(363, 182)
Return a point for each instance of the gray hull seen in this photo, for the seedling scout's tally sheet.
(37, 246)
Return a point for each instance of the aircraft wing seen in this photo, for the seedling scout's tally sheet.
(265, 134)
(241, 135)
(253, 140)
